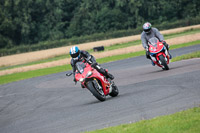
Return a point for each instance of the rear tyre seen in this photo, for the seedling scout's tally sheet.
(98, 93)
(115, 90)
(163, 62)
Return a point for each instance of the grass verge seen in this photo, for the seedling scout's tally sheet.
(41, 72)
(36, 62)
(187, 56)
(187, 32)
(137, 42)
(107, 48)
(185, 45)
(181, 122)
(35, 73)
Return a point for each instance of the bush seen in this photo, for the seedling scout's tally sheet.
(178, 23)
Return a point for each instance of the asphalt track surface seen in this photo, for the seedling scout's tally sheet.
(53, 104)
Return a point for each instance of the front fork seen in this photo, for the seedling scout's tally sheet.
(107, 87)
(166, 55)
(96, 84)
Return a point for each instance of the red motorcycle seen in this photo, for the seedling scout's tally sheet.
(158, 53)
(94, 81)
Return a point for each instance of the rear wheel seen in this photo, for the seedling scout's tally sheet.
(163, 62)
(97, 92)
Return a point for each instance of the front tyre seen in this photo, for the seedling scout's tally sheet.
(163, 62)
(98, 93)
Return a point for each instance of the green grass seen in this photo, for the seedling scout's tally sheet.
(35, 73)
(137, 42)
(187, 56)
(123, 45)
(40, 72)
(187, 32)
(185, 45)
(36, 62)
(120, 57)
(107, 48)
(90, 51)
(181, 122)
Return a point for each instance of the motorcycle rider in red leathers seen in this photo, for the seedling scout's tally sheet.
(80, 55)
(149, 32)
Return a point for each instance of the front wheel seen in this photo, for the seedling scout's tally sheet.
(163, 62)
(97, 92)
(115, 90)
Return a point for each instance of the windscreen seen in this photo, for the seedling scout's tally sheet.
(153, 41)
(80, 67)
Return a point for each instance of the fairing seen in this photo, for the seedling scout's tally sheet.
(84, 68)
(156, 49)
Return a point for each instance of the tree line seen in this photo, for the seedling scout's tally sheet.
(28, 22)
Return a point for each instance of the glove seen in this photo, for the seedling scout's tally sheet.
(164, 42)
(166, 45)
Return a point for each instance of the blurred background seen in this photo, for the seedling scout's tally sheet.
(30, 25)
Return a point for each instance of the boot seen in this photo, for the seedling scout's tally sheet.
(170, 56)
(108, 75)
(167, 46)
(104, 72)
(153, 64)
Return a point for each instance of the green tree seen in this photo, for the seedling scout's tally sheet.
(32, 21)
